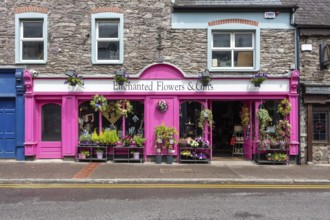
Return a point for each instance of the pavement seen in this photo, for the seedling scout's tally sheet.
(248, 172)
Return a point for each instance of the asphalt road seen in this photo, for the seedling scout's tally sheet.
(163, 203)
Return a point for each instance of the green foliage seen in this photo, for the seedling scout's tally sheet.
(205, 117)
(139, 140)
(99, 103)
(166, 134)
(264, 120)
(95, 136)
(110, 136)
(85, 152)
(85, 137)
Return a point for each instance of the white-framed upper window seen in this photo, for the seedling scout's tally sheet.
(31, 38)
(233, 47)
(107, 38)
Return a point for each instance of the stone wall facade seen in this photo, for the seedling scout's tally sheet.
(69, 41)
(310, 73)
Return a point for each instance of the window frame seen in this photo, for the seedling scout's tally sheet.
(107, 16)
(19, 19)
(321, 109)
(234, 29)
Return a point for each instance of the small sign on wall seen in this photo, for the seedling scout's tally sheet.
(270, 15)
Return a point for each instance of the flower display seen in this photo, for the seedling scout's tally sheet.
(245, 116)
(283, 129)
(162, 105)
(121, 77)
(193, 143)
(99, 103)
(201, 156)
(258, 78)
(74, 79)
(284, 107)
(186, 153)
(204, 78)
(202, 142)
(205, 117)
(127, 140)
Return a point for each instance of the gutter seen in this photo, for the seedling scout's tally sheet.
(231, 8)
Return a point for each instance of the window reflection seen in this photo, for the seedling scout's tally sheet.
(189, 112)
(88, 119)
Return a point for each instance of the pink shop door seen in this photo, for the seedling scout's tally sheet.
(155, 117)
(49, 131)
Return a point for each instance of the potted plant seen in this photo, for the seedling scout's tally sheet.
(84, 154)
(121, 77)
(162, 105)
(205, 117)
(95, 137)
(204, 78)
(73, 78)
(127, 140)
(165, 138)
(85, 138)
(99, 153)
(139, 140)
(283, 132)
(258, 78)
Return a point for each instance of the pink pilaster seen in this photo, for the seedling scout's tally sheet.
(69, 125)
(30, 144)
(294, 117)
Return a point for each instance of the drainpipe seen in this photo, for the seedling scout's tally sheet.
(297, 67)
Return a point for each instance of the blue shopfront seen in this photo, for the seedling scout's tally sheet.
(11, 114)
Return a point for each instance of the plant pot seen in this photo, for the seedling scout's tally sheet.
(120, 83)
(205, 83)
(136, 155)
(169, 159)
(99, 155)
(158, 159)
(82, 156)
(257, 84)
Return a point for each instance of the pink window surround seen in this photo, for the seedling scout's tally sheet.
(70, 102)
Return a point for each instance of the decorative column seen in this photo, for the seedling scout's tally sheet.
(69, 125)
(19, 114)
(294, 117)
(30, 144)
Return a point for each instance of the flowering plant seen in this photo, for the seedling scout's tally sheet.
(205, 117)
(245, 116)
(202, 142)
(284, 107)
(258, 78)
(162, 105)
(186, 153)
(127, 140)
(121, 77)
(283, 129)
(193, 143)
(201, 156)
(99, 103)
(204, 79)
(74, 79)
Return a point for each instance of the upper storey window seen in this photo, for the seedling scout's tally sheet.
(232, 49)
(107, 38)
(31, 38)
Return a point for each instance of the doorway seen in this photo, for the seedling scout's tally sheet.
(226, 115)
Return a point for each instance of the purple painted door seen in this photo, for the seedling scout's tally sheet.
(50, 131)
(154, 117)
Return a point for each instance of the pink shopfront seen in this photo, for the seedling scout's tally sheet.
(56, 114)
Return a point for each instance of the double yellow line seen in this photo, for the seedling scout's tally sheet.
(163, 186)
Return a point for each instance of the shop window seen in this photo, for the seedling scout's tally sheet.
(134, 122)
(320, 124)
(189, 114)
(31, 38)
(88, 119)
(107, 38)
(51, 122)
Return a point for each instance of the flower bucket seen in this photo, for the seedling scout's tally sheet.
(136, 155)
(99, 155)
(158, 159)
(169, 159)
(82, 156)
